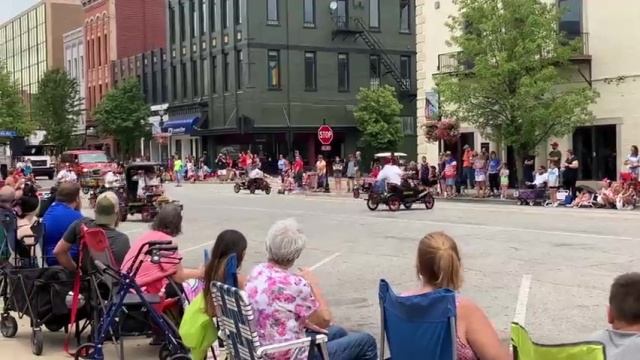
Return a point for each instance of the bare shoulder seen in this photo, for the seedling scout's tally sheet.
(469, 307)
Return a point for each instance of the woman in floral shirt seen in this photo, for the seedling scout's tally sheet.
(288, 305)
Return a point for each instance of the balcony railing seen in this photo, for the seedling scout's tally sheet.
(583, 51)
(449, 63)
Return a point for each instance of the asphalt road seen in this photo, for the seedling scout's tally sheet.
(549, 268)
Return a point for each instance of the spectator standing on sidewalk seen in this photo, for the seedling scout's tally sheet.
(467, 168)
(337, 173)
(351, 173)
(633, 161)
(480, 174)
(529, 167)
(555, 155)
(450, 175)
(423, 174)
(493, 170)
(358, 167)
(570, 173)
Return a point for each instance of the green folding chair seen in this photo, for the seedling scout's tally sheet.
(525, 349)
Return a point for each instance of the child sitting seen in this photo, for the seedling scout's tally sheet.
(626, 200)
(583, 198)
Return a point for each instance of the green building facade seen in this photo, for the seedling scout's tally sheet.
(269, 74)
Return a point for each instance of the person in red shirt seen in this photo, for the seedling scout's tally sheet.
(450, 174)
(298, 169)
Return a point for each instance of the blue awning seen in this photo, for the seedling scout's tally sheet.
(180, 126)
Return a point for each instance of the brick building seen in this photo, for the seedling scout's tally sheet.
(116, 30)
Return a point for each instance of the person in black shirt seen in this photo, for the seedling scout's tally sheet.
(529, 168)
(106, 218)
(570, 173)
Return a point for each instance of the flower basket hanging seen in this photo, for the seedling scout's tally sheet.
(430, 128)
(445, 130)
(448, 131)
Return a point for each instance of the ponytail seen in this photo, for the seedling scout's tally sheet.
(438, 262)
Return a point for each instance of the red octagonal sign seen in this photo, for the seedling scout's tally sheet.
(325, 134)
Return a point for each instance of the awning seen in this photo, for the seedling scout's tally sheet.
(181, 126)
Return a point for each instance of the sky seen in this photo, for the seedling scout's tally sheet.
(11, 8)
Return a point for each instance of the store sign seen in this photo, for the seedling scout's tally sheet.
(177, 131)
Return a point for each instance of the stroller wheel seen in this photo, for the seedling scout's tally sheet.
(85, 351)
(53, 327)
(165, 352)
(37, 341)
(8, 326)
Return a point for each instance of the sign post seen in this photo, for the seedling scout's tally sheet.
(325, 136)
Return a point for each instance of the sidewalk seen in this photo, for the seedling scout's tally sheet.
(19, 347)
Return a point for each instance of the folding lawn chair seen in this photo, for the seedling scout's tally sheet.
(236, 322)
(525, 349)
(418, 327)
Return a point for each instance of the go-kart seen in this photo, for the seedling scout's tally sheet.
(252, 185)
(412, 194)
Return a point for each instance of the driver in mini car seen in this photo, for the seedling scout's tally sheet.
(148, 184)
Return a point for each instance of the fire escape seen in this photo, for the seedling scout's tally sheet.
(356, 27)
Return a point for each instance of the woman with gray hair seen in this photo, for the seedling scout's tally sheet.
(289, 305)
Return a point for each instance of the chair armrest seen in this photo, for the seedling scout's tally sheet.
(290, 345)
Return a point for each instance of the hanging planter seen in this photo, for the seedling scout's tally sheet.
(448, 131)
(445, 130)
(430, 128)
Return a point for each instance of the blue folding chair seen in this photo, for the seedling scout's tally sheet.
(418, 327)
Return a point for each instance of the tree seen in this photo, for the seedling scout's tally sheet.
(377, 117)
(13, 115)
(124, 115)
(513, 78)
(56, 107)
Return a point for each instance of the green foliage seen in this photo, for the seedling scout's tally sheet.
(56, 108)
(377, 116)
(123, 114)
(13, 115)
(521, 90)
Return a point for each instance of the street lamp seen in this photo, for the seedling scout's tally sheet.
(161, 123)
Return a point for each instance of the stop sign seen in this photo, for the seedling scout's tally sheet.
(325, 134)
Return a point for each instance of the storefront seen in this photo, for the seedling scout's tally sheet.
(182, 142)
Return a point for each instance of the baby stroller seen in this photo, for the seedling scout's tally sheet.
(126, 298)
(364, 187)
(538, 195)
(41, 294)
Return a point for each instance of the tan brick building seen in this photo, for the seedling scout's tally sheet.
(32, 42)
(608, 62)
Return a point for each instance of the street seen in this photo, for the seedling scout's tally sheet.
(549, 268)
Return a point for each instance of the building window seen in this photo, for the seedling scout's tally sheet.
(212, 15)
(343, 13)
(163, 88)
(225, 14)
(571, 21)
(272, 12)
(409, 126)
(273, 59)
(154, 89)
(174, 82)
(405, 16)
(343, 72)
(194, 18)
(239, 60)
(214, 74)
(309, 13)
(374, 14)
(99, 51)
(172, 24)
(181, 21)
(405, 70)
(203, 17)
(185, 81)
(237, 11)
(374, 71)
(205, 76)
(195, 79)
(225, 77)
(82, 67)
(310, 74)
